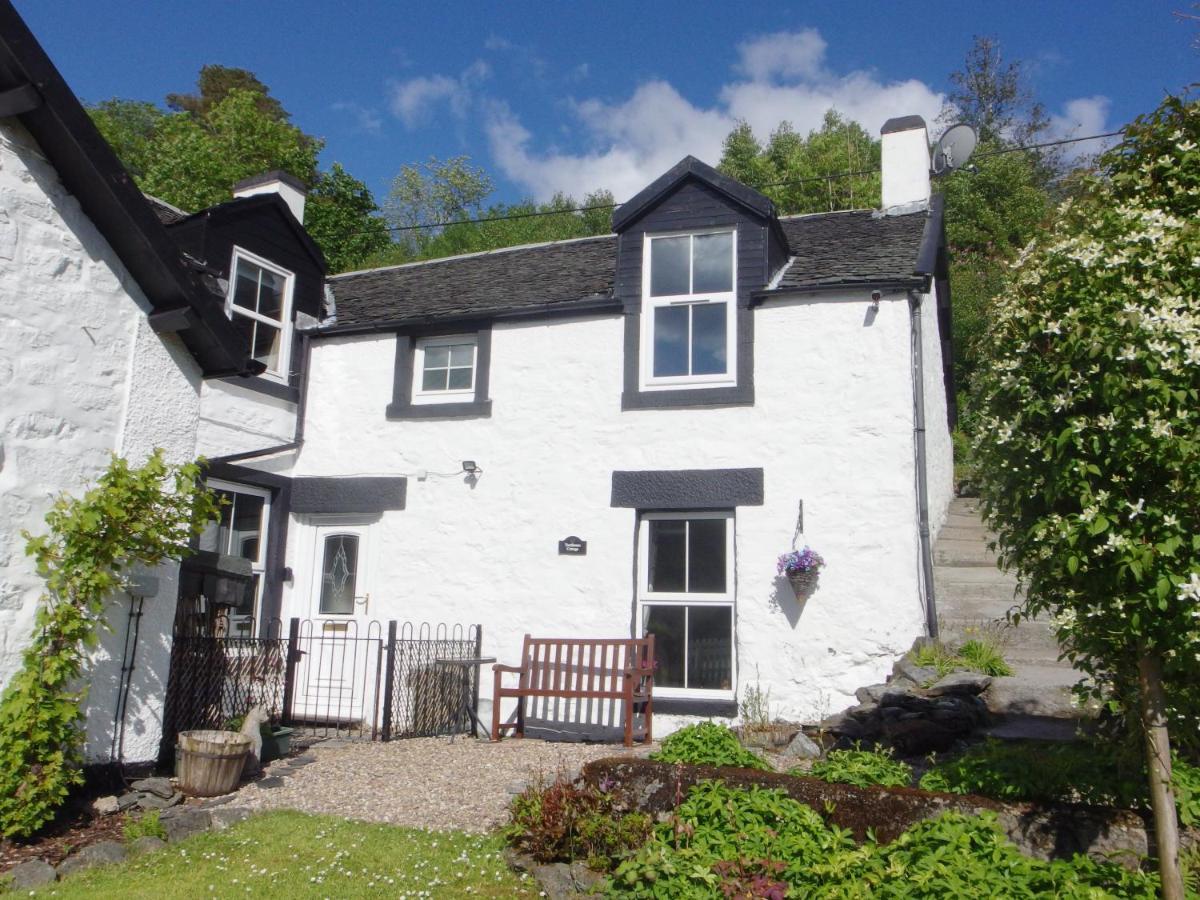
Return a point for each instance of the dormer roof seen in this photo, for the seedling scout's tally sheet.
(690, 168)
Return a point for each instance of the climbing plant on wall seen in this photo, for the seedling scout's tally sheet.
(135, 514)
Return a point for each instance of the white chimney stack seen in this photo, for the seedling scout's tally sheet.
(905, 164)
(286, 185)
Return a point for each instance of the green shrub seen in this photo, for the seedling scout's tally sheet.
(708, 744)
(146, 826)
(1080, 772)
(862, 768)
(725, 842)
(563, 822)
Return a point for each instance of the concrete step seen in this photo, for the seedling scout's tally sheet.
(975, 575)
(963, 553)
(964, 506)
(960, 521)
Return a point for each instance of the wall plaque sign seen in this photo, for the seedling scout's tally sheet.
(572, 546)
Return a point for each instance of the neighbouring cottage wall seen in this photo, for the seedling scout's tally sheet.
(234, 419)
(81, 375)
(831, 425)
(939, 449)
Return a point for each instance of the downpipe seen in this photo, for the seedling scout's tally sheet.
(922, 481)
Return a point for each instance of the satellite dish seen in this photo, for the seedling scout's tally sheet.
(954, 148)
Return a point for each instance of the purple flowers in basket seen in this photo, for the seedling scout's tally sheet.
(806, 560)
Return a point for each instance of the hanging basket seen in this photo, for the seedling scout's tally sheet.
(804, 583)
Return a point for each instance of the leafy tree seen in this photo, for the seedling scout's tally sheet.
(214, 85)
(789, 167)
(426, 197)
(993, 95)
(144, 514)
(1089, 441)
(230, 130)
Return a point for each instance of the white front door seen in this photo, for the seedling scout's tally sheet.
(336, 681)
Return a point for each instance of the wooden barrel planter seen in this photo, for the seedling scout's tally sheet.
(209, 763)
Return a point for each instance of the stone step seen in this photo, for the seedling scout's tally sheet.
(966, 601)
(976, 575)
(976, 534)
(1037, 728)
(963, 553)
(957, 521)
(964, 506)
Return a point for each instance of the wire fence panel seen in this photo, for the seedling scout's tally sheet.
(324, 678)
(428, 696)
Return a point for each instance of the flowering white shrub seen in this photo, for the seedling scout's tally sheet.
(1089, 445)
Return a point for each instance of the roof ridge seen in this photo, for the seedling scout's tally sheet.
(477, 253)
(832, 212)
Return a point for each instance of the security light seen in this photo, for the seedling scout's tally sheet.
(468, 466)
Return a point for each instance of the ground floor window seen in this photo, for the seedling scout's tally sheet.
(241, 531)
(686, 600)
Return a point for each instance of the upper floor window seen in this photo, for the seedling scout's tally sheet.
(688, 310)
(260, 305)
(445, 369)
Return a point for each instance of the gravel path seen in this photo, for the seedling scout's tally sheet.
(420, 782)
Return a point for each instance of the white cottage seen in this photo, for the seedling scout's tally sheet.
(681, 401)
(115, 340)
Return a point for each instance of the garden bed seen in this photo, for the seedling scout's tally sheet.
(1045, 831)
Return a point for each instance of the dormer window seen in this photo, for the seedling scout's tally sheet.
(260, 305)
(688, 310)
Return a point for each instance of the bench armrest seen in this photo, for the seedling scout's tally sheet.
(500, 667)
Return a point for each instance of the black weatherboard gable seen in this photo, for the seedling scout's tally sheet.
(92, 173)
(690, 168)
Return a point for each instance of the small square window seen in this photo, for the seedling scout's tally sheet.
(445, 370)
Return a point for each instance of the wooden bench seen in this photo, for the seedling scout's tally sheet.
(580, 669)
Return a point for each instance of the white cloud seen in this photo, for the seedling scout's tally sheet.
(367, 119)
(1082, 116)
(413, 101)
(631, 142)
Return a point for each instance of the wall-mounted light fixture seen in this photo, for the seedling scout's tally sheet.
(876, 296)
(468, 466)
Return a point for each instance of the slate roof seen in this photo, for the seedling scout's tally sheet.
(167, 214)
(829, 249)
(848, 248)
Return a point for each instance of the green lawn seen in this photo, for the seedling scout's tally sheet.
(291, 855)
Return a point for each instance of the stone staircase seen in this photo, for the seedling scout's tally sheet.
(973, 596)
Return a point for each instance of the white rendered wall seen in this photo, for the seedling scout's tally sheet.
(234, 419)
(81, 375)
(939, 449)
(831, 424)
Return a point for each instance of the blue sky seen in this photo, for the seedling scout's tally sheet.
(575, 96)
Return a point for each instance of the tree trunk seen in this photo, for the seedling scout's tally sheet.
(1158, 763)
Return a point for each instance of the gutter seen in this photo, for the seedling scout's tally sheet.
(925, 550)
(884, 284)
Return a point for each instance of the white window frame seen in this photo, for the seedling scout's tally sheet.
(455, 395)
(285, 312)
(258, 566)
(727, 598)
(648, 381)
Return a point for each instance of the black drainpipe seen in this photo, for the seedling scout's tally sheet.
(922, 482)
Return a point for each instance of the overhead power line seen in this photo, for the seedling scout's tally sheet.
(774, 184)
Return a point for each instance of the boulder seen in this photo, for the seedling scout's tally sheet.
(918, 736)
(801, 747)
(906, 670)
(30, 874)
(128, 801)
(967, 683)
(154, 801)
(102, 853)
(186, 821)
(106, 806)
(147, 843)
(871, 693)
(159, 787)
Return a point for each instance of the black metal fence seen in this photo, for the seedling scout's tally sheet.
(325, 678)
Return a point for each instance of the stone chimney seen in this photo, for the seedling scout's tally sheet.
(905, 164)
(287, 186)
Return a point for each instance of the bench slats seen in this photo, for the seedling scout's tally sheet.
(568, 668)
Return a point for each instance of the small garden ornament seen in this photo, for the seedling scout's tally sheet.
(802, 568)
(252, 728)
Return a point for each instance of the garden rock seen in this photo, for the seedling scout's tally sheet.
(801, 747)
(147, 843)
(154, 801)
(106, 806)
(30, 874)
(917, 736)
(159, 787)
(560, 880)
(185, 821)
(907, 670)
(872, 693)
(128, 801)
(99, 854)
(297, 761)
(271, 781)
(968, 683)
(226, 816)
